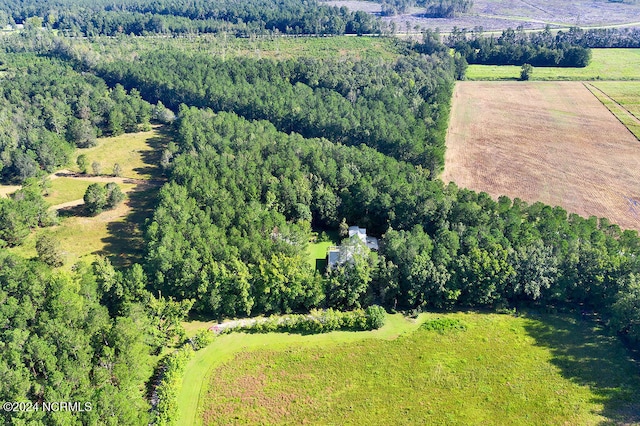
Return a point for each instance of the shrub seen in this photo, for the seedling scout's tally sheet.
(376, 316)
(525, 72)
(202, 339)
(443, 324)
(169, 386)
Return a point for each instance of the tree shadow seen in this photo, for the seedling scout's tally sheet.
(73, 211)
(585, 354)
(152, 158)
(125, 243)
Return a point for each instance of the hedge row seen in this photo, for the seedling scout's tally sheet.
(169, 387)
(322, 321)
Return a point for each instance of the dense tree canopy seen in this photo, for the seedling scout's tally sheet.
(141, 17)
(48, 108)
(399, 108)
(515, 47)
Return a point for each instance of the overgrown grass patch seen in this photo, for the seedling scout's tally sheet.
(501, 370)
(606, 64)
(65, 189)
(135, 153)
(224, 348)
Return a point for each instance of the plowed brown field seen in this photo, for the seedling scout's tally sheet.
(544, 141)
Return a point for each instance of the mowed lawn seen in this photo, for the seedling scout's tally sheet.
(545, 370)
(552, 142)
(606, 64)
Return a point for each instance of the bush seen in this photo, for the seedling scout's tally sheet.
(202, 339)
(525, 72)
(376, 317)
(443, 324)
(169, 386)
(97, 197)
(319, 321)
(48, 250)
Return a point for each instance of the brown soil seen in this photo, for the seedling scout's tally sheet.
(545, 141)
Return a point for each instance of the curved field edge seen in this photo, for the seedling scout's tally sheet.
(536, 369)
(226, 347)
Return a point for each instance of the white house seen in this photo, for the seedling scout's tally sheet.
(340, 254)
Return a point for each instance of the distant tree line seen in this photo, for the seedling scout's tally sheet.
(601, 37)
(434, 8)
(515, 47)
(140, 17)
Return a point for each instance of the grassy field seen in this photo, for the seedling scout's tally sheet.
(500, 370)
(622, 99)
(136, 153)
(66, 189)
(552, 142)
(115, 233)
(606, 64)
(224, 348)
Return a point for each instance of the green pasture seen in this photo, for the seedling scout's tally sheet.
(138, 154)
(625, 93)
(500, 370)
(65, 189)
(224, 348)
(606, 64)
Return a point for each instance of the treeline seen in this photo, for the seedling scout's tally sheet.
(434, 8)
(601, 37)
(47, 109)
(86, 336)
(400, 108)
(254, 190)
(141, 17)
(518, 48)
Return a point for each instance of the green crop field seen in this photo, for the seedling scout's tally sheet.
(622, 99)
(500, 370)
(606, 64)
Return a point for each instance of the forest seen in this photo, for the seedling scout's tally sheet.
(91, 18)
(515, 47)
(266, 157)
